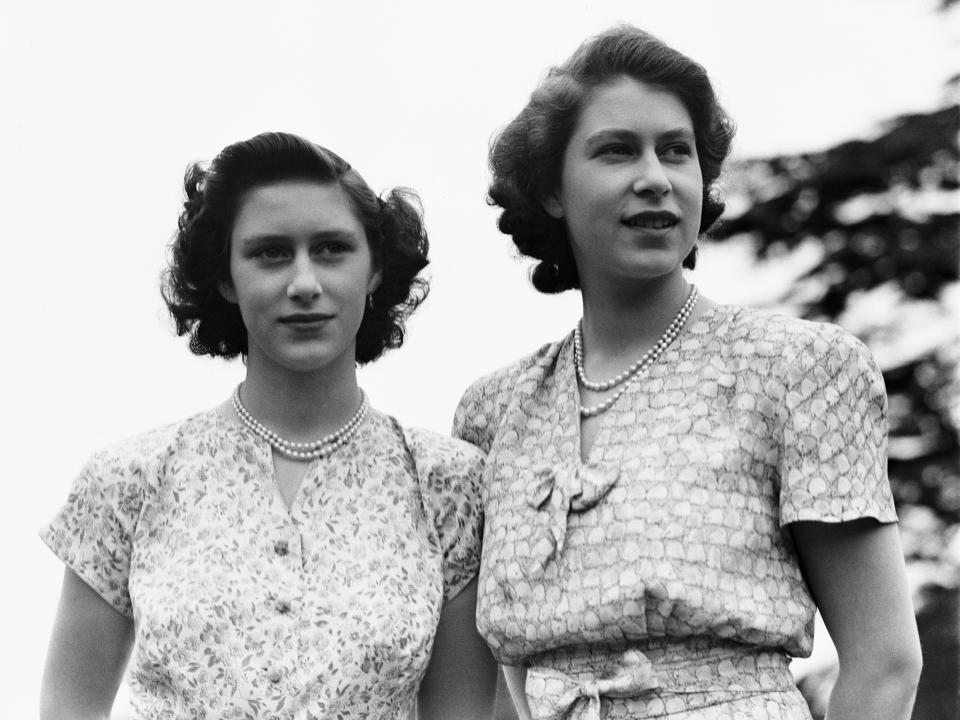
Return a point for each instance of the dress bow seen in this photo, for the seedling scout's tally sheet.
(555, 695)
(554, 493)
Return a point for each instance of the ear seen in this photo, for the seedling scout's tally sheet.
(225, 288)
(551, 203)
(376, 277)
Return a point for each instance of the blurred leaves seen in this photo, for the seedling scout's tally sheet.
(884, 209)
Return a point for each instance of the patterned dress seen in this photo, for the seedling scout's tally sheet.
(656, 578)
(244, 608)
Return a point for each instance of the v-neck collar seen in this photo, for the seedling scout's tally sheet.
(267, 481)
(568, 405)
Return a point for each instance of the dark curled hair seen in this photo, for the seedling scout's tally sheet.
(526, 158)
(200, 252)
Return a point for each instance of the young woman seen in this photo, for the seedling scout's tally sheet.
(676, 486)
(292, 553)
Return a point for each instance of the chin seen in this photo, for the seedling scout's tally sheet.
(651, 262)
(650, 271)
(305, 362)
(305, 367)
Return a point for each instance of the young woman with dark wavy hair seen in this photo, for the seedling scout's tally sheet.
(292, 553)
(674, 488)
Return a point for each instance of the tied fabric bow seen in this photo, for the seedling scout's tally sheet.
(554, 695)
(557, 491)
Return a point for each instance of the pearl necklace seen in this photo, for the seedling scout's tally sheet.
(630, 375)
(306, 450)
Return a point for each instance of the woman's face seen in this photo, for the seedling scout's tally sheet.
(300, 269)
(631, 189)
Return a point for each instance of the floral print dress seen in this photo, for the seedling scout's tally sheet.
(243, 608)
(656, 577)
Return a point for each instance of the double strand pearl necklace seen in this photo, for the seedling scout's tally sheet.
(306, 450)
(630, 375)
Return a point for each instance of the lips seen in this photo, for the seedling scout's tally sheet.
(651, 220)
(304, 319)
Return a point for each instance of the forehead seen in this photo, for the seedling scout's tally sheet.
(628, 104)
(295, 205)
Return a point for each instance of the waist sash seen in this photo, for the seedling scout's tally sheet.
(650, 677)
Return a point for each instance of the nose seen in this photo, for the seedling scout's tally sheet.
(651, 178)
(304, 283)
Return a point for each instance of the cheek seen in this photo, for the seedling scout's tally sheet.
(693, 184)
(586, 211)
(246, 291)
(352, 293)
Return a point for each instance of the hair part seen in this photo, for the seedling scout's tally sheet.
(199, 262)
(526, 158)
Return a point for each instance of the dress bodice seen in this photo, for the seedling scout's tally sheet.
(244, 607)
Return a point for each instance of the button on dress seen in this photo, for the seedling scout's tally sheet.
(244, 608)
(657, 578)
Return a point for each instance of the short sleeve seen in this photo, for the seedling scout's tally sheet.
(449, 472)
(472, 419)
(93, 531)
(833, 458)
(484, 403)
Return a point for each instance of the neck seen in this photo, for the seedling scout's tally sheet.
(623, 321)
(301, 405)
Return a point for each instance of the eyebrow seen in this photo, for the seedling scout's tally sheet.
(342, 235)
(607, 134)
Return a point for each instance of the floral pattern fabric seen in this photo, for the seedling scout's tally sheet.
(244, 608)
(672, 529)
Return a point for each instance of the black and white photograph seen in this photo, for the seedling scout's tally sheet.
(486, 361)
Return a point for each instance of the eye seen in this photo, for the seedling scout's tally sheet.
(678, 150)
(614, 150)
(332, 248)
(270, 253)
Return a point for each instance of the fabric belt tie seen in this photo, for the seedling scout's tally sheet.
(555, 695)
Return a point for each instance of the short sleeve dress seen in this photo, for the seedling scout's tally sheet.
(658, 578)
(243, 608)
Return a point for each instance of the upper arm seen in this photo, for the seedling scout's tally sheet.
(88, 652)
(857, 577)
(516, 680)
(461, 678)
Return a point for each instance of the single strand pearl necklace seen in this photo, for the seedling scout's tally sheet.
(306, 450)
(630, 375)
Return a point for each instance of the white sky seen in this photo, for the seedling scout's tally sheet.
(105, 103)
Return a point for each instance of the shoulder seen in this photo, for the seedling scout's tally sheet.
(485, 399)
(449, 475)
(141, 457)
(505, 378)
(786, 330)
(808, 369)
(441, 459)
(788, 341)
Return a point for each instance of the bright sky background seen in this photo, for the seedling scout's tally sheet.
(105, 103)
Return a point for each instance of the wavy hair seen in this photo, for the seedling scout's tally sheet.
(200, 252)
(526, 158)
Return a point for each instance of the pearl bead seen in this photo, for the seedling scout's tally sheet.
(301, 450)
(632, 373)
